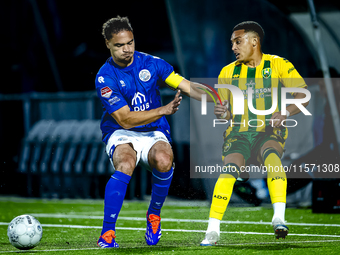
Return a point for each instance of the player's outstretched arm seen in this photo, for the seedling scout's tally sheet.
(194, 90)
(129, 119)
(190, 89)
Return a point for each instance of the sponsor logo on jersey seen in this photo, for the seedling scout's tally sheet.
(251, 84)
(139, 102)
(114, 100)
(122, 82)
(144, 75)
(266, 73)
(138, 97)
(106, 92)
(101, 79)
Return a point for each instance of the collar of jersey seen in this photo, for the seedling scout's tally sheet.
(125, 68)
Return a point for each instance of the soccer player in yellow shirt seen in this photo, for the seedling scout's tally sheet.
(253, 136)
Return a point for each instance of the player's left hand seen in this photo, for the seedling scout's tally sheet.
(276, 119)
(172, 107)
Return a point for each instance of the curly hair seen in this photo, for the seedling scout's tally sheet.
(115, 25)
(251, 26)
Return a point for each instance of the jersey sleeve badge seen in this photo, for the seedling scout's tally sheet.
(105, 92)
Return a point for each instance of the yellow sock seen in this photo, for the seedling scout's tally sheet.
(221, 196)
(276, 176)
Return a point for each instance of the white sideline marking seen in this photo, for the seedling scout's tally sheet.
(56, 215)
(36, 251)
(232, 244)
(172, 230)
(140, 212)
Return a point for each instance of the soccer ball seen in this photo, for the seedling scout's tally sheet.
(24, 232)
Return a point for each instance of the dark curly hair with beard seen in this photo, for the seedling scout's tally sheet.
(114, 26)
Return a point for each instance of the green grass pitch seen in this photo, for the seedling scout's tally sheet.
(73, 227)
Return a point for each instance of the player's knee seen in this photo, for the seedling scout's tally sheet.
(126, 165)
(162, 161)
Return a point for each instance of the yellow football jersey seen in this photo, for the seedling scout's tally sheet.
(272, 72)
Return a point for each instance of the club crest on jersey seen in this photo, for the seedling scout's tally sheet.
(144, 75)
(106, 92)
(266, 73)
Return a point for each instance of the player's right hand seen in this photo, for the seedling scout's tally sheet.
(221, 111)
(172, 107)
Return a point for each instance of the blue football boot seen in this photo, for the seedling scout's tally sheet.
(153, 229)
(107, 240)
